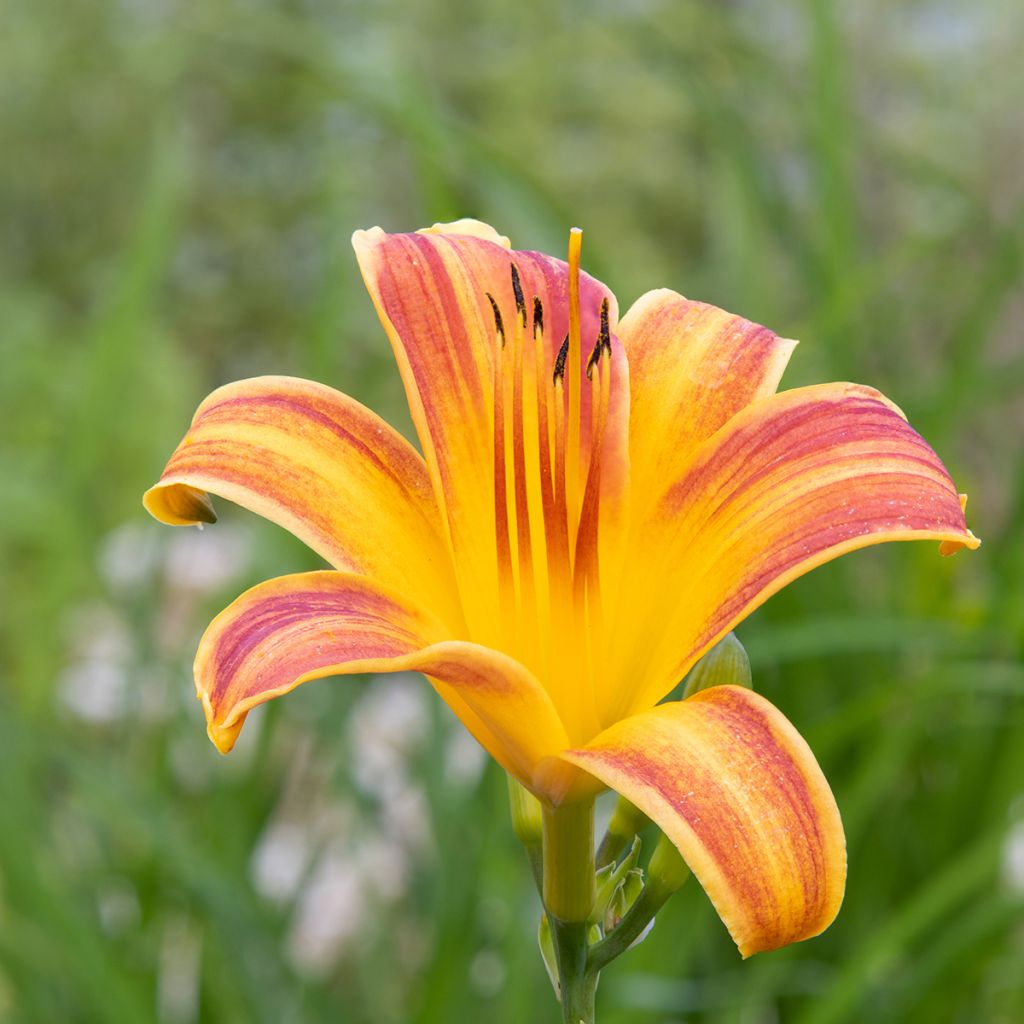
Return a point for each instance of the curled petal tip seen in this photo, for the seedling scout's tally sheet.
(468, 226)
(365, 235)
(179, 505)
(223, 738)
(969, 541)
(951, 547)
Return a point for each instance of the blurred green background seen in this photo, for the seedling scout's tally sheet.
(179, 182)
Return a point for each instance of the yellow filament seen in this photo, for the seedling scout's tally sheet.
(502, 527)
(600, 396)
(523, 470)
(508, 432)
(538, 481)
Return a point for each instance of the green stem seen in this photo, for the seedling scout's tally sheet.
(569, 892)
(569, 861)
(578, 985)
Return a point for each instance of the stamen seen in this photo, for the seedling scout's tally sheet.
(558, 437)
(551, 439)
(604, 340)
(586, 541)
(527, 589)
(517, 290)
(563, 352)
(499, 324)
(605, 335)
(501, 521)
(545, 447)
(547, 487)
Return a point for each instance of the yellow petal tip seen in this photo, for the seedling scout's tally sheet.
(179, 505)
(224, 737)
(468, 226)
(951, 547)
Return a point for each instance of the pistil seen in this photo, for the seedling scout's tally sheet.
(572, 455)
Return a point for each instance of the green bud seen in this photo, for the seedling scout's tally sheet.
(725, 664)
(609, 880)
(667, 870)
(547, 952)
(625, 895)
(625, 823)
(527, 820)
(528, 825)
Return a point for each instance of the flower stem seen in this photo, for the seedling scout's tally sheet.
(578, 985)
(569, 892)
(569, 861)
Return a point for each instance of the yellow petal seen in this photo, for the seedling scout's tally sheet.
(692, 367)
(293, 629)
(738, 791)
(322, 466)
(790, 482)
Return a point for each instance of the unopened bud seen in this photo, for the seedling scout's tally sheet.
(547, 951)
(625, 895)
(667, 870)
(626, 821)
(726, 664)
(527, 820)
(609, 880)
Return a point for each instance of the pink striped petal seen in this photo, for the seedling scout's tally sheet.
(792, 481)
(692, 367)
(322, 466)
(736, 788)
(293, 629)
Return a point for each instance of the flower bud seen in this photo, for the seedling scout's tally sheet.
(610, 878)
(625, 895)
(726, 664)
(527, 820)
(667, 870)
(626, 822)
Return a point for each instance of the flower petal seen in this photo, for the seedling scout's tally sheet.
(790, 482)
(736, 788)
(295, 628)
(322, 466)
(692, 367)
(431, 292)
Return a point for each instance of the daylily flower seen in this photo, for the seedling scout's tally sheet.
(598, 502)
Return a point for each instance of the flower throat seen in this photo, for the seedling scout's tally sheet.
(547, 478)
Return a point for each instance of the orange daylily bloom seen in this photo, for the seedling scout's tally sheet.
(588, 517)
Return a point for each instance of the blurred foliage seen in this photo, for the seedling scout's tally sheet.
(179, 182)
